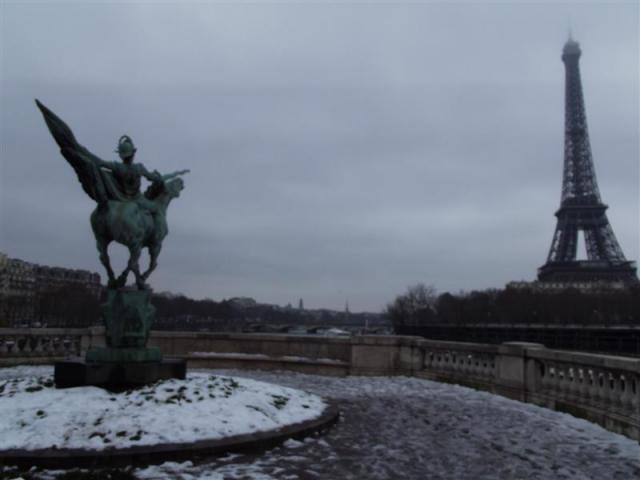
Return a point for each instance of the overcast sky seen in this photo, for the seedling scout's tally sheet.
(338, 151)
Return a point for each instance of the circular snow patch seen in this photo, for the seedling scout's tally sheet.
(34, 415)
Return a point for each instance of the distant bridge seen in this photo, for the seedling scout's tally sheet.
(615, 339)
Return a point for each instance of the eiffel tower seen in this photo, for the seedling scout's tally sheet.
(581, 208)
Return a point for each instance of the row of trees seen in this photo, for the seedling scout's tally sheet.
(420, 305)
(72, 306)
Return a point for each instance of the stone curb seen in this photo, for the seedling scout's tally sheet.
(53, 458)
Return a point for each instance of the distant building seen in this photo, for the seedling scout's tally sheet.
(54, 278)
(301, 305)
(549, 286)
(243, 302)
(17, 290)
(23, 283)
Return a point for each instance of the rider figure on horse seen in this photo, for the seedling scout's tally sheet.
(127, 175)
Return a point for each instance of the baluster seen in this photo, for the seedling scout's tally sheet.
(625, 393)
(601, 380)
(20, 346)
(77, 346)
(617, 390)
(439, 361)
(46, 346)
(460, 367)
(583, 385)
(11, 346)
(608, 386)
(592, 387)
(477, 365)
(543, 367)
(635, 393)
(554, 384)
(573, 381)
(56, 345)
(66, 346)
(468, 361)
(559, 379)
(36, 345)
(428, 360)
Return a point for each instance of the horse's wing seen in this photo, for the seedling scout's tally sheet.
(94, 180)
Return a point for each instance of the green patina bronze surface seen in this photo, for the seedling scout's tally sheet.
(123, 213)
(127, 216)
(128, 316)
(123, 355)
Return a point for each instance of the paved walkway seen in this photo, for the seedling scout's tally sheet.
(404, 428)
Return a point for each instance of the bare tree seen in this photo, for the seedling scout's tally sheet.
(415, 307)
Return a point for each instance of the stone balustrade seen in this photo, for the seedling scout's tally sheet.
(603, 389)
(473, 364)
(39, 345)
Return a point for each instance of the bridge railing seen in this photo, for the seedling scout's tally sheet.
(600, 388)
(39, 345)
(472, 360)
(606, 386)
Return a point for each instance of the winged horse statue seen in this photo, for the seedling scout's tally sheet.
(123, 214)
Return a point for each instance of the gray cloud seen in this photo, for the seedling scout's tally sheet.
(338, 151)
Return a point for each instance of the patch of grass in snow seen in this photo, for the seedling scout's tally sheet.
(10, 387)
(257, 409)
(279, 401)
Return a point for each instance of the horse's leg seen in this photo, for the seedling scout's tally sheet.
(154, 251)
(134, 259)
(122, 278)
(104, 259)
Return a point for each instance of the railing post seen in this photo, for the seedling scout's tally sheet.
(516, 373)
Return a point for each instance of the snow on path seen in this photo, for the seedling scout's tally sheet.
(406, 428)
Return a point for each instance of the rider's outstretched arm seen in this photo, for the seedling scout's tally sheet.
(174, 174)
(151, 176)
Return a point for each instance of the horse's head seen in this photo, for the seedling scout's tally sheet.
(174, 187)
(163, 192)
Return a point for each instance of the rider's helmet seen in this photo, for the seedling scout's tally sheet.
(126, 149)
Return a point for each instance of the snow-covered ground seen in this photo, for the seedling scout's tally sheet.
(406, 428)
(35, 415)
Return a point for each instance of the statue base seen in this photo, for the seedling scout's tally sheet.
(128, 316)
(123, 355)
(116, 376)
(126, 361)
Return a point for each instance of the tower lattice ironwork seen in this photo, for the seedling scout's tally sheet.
(581, 208)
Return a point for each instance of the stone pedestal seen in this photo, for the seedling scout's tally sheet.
(128, 316)
(126, 361)
(116, 355)
(116, 376)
